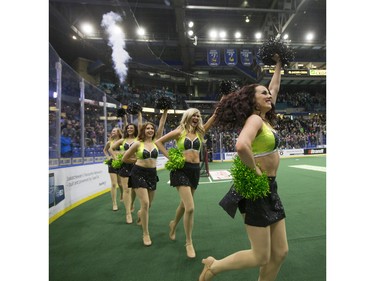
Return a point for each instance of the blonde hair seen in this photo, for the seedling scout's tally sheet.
(119, 133)
(185, 122)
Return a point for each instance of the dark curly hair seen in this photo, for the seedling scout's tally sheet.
(233, 109)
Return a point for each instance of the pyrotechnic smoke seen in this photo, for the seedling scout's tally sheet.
(116, 40)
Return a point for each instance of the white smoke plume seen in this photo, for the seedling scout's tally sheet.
(116, 40)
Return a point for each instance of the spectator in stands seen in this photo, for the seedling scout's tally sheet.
(143, 174)
(189, 137)
(252, 108)
(121, 146)
(113, 173)
(69, 129)
(66, 144)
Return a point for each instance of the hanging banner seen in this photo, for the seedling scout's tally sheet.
(258, 60)
(246, 57)
(213, 57)
(230, 57)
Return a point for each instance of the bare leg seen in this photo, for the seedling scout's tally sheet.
(179, 213)
(121, 188)
(133, 195)
(258, 255)
(113, 177)
(173, 223)
(186, 195)
(127, 200)
(279, 251)
(144, 199)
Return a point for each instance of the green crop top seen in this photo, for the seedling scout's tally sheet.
(184, 143)
(142, 153)
(266, 142)
(125, 146)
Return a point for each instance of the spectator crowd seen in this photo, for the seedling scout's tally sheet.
(306, 128)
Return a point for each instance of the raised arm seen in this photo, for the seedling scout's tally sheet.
(210, 121)
(139, 121)
(274, 86)
(163, 118)
(124, 122)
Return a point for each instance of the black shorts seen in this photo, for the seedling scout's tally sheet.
(189, 175)
(111, 170)
(141, 177)
(125, 170)
(263, 211)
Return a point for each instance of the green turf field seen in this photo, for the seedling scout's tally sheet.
(93, 243)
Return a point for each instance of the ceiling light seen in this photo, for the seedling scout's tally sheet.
(247, 19)
(190, 32)
(237, 35)
(141, 31)
(244, 4)
(87, 28)
(285, 36)
(222, 34)
(258, 35)
(309, 36)
(213, 34)
(191, 24)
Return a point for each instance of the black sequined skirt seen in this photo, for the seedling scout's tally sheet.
(188, 175)
(141, 177)
(260, 212)
(111, 170)
(125, 170)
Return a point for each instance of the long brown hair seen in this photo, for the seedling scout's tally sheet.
(126, 134)
(142, 132)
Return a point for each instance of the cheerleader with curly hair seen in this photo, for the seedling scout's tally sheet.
(252, 109)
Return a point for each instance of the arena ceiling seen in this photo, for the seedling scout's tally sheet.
(168, 51)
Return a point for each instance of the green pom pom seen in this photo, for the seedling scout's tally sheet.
(106, 161)
(247, 182)
(117, 163)
(176, 159)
